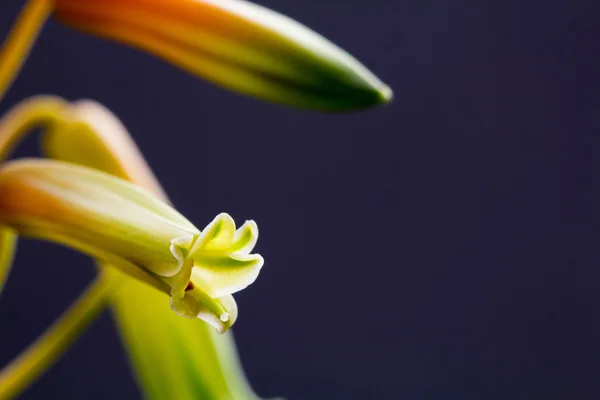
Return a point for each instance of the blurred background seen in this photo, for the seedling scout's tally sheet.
(442, 247)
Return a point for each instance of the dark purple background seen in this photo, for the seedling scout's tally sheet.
(443, 247)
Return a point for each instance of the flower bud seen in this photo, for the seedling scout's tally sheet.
(238, 45)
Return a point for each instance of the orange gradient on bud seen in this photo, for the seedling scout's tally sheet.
(238, 45)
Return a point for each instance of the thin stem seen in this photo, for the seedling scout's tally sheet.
(42, 353)
(30, 113)
(20, 40)
(8, 244)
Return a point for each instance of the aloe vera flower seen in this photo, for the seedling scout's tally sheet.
(114, 220)
(238, 45)
(172, 357)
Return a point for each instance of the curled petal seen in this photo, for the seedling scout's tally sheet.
(217, 268)
(219, 312)
(225, 321)
(220, 234)
(245, 238)
(180, 247)
(223, 274)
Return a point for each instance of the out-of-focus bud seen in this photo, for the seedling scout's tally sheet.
(238, 45)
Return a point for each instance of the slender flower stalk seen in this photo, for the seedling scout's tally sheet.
(8, 243)
(40, 355)
(20, 40)
(238, 45)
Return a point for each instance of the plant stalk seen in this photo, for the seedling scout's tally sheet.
(20, 40)
(42, 353)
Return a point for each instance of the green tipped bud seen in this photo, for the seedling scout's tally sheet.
(238, 45)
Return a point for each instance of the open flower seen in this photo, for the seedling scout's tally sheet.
(205, 366)
(111, 219)
(236, 44)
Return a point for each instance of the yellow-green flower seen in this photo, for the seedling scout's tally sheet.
(238, 45)
(172, 357)
(114, 220)
(191, 360)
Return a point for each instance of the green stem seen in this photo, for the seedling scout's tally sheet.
(42, 353)
(20, 40)
(8, 244)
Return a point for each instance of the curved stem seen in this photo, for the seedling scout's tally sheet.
(20, 40)
(26, 115)
(42, 353)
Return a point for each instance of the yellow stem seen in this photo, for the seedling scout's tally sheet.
(20, 40)
(42, 353)
(8, 244)
(30, 113)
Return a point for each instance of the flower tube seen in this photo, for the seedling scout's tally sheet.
(111, 219)
(172, 357)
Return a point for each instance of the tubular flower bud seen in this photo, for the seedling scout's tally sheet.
(114, 220)
(238, 45)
